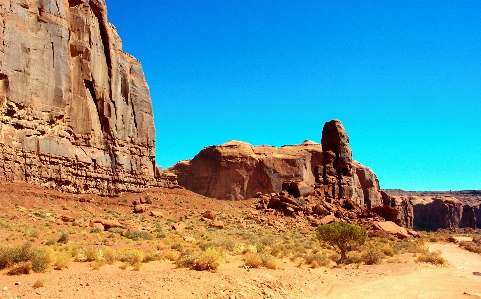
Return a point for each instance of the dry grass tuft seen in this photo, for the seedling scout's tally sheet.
(253, 260)
(21, 268)
(434, 258)
(40, 283)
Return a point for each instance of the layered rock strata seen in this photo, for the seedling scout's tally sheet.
(75, 110)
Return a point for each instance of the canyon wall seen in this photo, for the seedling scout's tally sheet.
(75, 110)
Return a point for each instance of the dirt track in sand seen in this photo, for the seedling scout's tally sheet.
(456, 280)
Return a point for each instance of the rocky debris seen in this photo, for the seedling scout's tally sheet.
(317, 210)
(446, 212)
(237, 170)
(66, 218)
(107, 224)
(314, 209)
(75, 110)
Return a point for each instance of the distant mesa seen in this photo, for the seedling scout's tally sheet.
(75, 110)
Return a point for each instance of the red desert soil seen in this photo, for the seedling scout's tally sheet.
(161, 279)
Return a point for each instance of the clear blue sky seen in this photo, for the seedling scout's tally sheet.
(404, 77)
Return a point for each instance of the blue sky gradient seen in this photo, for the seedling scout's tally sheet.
(404, 77)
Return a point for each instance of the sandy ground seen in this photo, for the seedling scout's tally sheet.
(162, 280)
(22, 204)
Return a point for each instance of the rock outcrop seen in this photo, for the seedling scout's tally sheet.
(75, 111)
(237, 170)
(341, 178)
(312, 175)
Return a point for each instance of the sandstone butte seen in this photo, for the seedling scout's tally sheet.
(238, 170)
(75, 110)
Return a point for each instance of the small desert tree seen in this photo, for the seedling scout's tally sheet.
(342, 236)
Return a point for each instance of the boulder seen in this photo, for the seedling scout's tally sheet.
(179, 226)
(217, 224)
(156, 214)
(328, 219)
(107, 224)
(392, 229)
(211, 215)
(140, 208)
(75, 110)
(66, 218)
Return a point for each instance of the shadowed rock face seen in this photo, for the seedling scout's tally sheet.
(442, 212)
(75, 111)
(434, 210)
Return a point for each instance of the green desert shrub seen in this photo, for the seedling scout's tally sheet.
(471, 246)
(62, 260)
(64, 237)
(13, 254)
(342, 236)
(42, 258)
(139, 235)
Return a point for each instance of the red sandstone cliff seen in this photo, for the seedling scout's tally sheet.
(238, 170)
(75, 111)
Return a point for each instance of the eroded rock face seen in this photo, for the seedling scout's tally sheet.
(442, 212)
(75, 111)
(237, 170)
